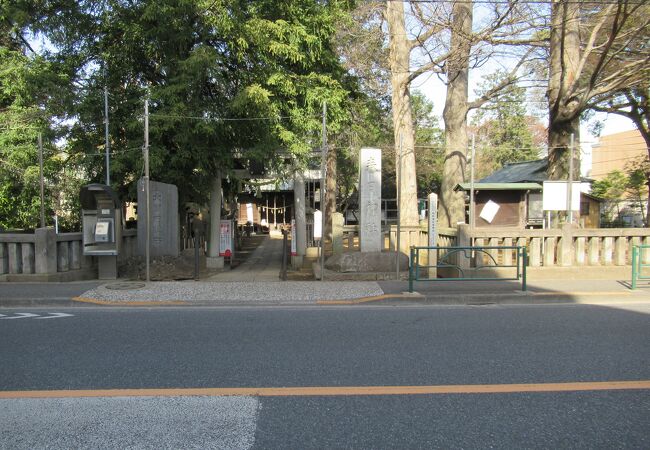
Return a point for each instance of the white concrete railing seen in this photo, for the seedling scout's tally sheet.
(45, 252)
(563, 247)
(416, 236)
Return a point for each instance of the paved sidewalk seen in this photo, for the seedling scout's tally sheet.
(538, 291)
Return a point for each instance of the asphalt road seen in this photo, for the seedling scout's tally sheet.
(179, 348)
(40, 292)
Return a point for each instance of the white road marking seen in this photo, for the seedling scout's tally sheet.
(19, 316)
(34, 316)
(55, 316)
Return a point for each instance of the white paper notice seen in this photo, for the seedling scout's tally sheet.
(318, 224)
(489, 211)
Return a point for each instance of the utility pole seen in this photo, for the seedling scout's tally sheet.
(146, 186)
(107, 145)
(569, 207)
(322, 191)
(472, 221)
(42, 182)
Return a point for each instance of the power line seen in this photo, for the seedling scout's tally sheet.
(216, 119)
(617, 159)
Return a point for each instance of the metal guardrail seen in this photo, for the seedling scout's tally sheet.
(449, 260)
(638, 265)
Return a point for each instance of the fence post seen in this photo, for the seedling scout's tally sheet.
(411, 259)
(524, 263)
(27, 257)
(4, 259)
(566, 245)
(464, 240)
(45, 250)
(635, 268)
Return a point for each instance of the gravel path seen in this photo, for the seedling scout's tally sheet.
(267, 292)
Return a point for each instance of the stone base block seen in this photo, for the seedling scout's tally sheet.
(367, 262)
(330, 275)
(296, 262)
(214, 262)
(312, 252)
(107, 267)
(89, 273)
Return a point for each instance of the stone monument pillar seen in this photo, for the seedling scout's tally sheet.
(164, 229)
(214, 261)
(301, 220)
(370, 239)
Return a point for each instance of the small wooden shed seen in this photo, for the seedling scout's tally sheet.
(512, 197)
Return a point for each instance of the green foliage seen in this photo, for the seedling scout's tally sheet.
(369, 126)
(612, 187)
(268, 64)
(638, 186)
(630, 186)
(429, 142)
(21, 120)
(504, 132)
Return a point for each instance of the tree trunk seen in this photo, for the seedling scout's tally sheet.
(644, 129)
(559, 148)
(564, 111)
(400, 50)
(452, 204)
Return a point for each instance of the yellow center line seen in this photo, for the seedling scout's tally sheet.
(337, 390)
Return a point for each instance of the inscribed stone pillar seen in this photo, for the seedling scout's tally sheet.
(300, 217)
(370, 200)
(163, 209)
(214, 261)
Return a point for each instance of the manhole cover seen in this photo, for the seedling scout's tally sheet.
(125, 286)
